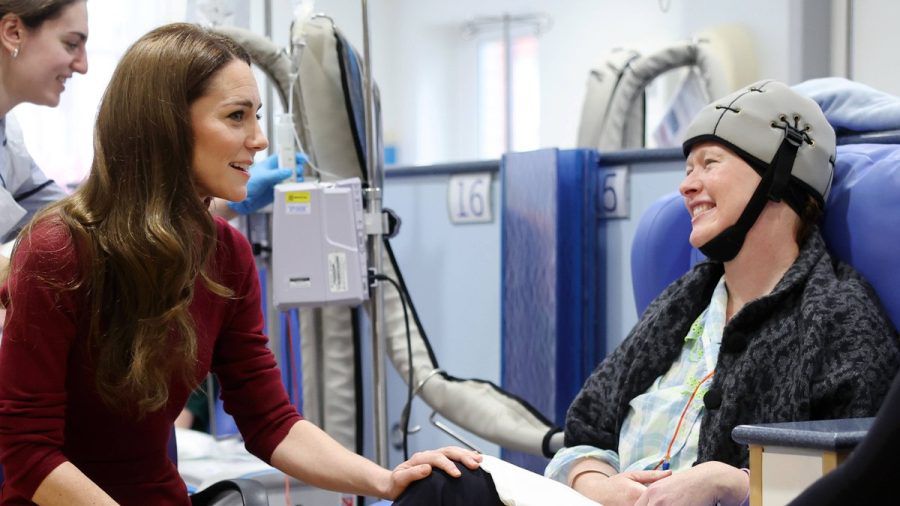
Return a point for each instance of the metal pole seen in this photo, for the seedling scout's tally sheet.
(376, 250)
(273, 322)
(507, 78)
(270, 113)
(848, 43)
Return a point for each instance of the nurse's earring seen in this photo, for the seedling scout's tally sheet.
(15, 52)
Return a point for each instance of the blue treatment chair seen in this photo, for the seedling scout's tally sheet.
(861, 224)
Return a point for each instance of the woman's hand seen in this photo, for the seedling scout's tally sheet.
(621, 489)
(704, 484)
(420, 465)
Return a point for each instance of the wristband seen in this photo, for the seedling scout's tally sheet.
(583, 472)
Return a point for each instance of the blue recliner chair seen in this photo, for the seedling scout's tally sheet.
(861, 227)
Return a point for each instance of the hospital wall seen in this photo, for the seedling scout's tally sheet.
(873, 58)
(452, 274)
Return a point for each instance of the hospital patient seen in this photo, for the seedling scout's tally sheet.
(122, 296)
(769, 329)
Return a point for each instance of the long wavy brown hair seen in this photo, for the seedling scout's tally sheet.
(142, 231)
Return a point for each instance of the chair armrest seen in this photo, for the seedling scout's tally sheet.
(827, 435)
(787, 457)
(252, 492)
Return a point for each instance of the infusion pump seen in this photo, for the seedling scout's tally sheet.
(319, 244)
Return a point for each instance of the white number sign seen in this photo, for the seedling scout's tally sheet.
(469, 198)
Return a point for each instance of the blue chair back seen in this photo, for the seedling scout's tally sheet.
(660, 253)
(861, 227)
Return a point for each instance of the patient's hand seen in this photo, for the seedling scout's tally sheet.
(704, 484)
(621, 489)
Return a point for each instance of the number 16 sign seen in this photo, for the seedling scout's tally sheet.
(469, 198)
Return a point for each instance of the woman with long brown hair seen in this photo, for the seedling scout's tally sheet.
(123, 296)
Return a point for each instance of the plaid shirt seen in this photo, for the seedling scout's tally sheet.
(653, 415)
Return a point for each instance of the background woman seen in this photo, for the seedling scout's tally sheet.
(42, 45)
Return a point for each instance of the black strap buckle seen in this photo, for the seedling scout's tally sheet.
(794, 136)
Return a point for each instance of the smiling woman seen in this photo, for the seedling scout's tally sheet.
(226, 133)
(757, 321)
(41, 46)
(769, 329)
(45, 42)
(124, 295)
(716, 188)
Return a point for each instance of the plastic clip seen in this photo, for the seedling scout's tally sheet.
(793, 135)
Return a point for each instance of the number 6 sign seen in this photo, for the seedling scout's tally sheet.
(614, 201)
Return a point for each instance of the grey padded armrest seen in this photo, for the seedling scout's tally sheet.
(834, 435)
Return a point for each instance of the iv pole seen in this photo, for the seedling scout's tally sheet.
(374, 222)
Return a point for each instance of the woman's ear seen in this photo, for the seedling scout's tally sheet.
(12, 31)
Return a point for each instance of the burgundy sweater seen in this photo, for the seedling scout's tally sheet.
(50, 412)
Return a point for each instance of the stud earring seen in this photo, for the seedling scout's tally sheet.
(15, 52)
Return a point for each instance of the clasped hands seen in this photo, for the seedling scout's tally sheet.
(709, 483)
